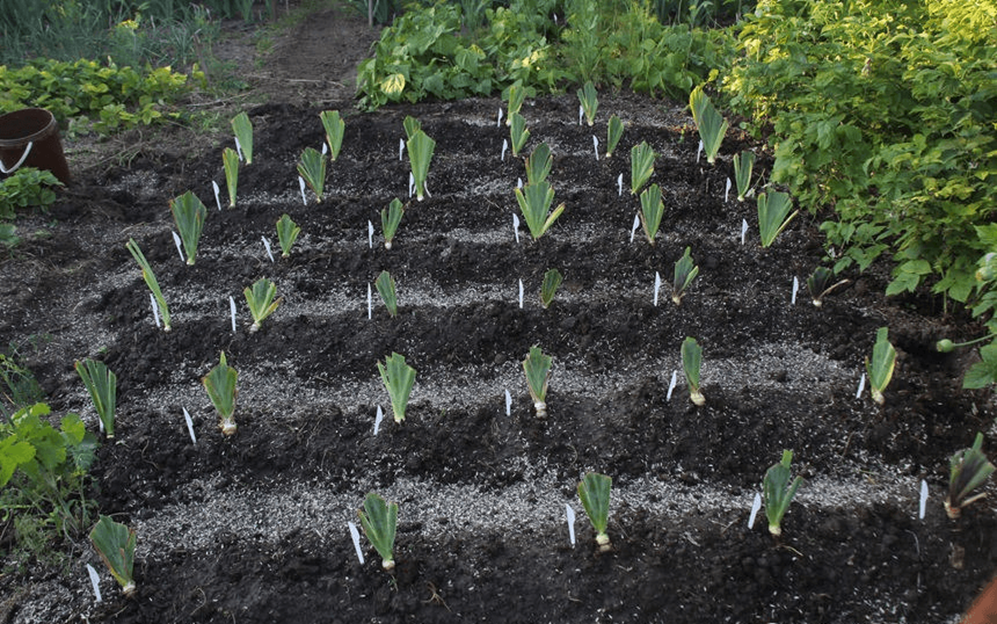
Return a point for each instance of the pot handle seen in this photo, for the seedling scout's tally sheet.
(27, 151)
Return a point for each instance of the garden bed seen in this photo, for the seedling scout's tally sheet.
(253, 528)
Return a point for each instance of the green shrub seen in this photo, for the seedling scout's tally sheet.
(27, 188)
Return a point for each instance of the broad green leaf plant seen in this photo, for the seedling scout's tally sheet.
(773, 208)
(102, 384)
(692, 359)
(778, 492)
(261, 302)
(311, 168)
(287, 233)
(711, 124)
(398, 378)
(386, 288)
(589, 101)
(243, 129)
(539, 164)
(821, 283)
(537, 367)
(685, 272)
(614, 132)
(880, 367)
(420, 152)
(535, 201)
(230, 160)
(150, 281)
(552, 280)
(391, 218)
(115, 543)
(968, 469)
(641, 166)
(652, 209)
(379, 520)
(594, 490)
(743, 164)
(220, 384)
(189, 215)
(334, 127)
(518, 133)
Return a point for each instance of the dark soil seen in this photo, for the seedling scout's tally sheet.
(252, 528)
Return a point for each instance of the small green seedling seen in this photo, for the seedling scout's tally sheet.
(411, 125)
(614, 132)
(380, 520)
(420, 152)
(391, 218)
(539, 164)
(537, 367)
(641, 166)
(589, 100)
(398, 378)
(261, 302)
(386, 288)
(334, 127)
(230, 160)
(515, 96)
(710, 123)
(243, 129)
(652, 209)
(692, 359)
(968, 469)
(552, 279)
(880, 367)
(772, 210)
(534, 202)
(311, 168)
(150, 281)
(189, 215)
(778, 492)
(287, 233)
(821, 283)
(102, 384)
(220, 384)
(593, 490)
(743, 164)
(115, 543)
(518, 134)
(685, 272)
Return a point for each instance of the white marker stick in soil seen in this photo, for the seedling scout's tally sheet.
(924, 500)
(519, 183)
(238, 148)
(155, 310)
(231, 307)
(744, 229)
(411, 185)
(356, 540)
(508, 403)
(266, 245)
(505, 148)
(520, 294)
(370, 303)
(94, 582)
(595, 144)
(699, 152)
(727, 191)
(634, 227)
(401, 149)
(672, 384)
(218, 201)
(498, 124)
(619, 185)
(515, 226)
(657, 287)
(581, 115)
(190, 425)
(377, 419)
(370, 234)
(301, 185)
(570, 514)
(179, 244)
(756, 505)
(796, 289)
(861, 387)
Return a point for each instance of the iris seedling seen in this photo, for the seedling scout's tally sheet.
(312, 171)
(334, 127)
(260, 299)
(420, 151)
(516, 97)
(968, 469)
(685, 272)
(710, 123)
(537, 367)
(115, 543)
(880, 367)
(552, 279)
(102, 384)
(743, 164)
(651, 211)
(641, 166)
(150, 281)
(539, 164)
(243, 129)
(820, 284)
(614, 133)
(411, 125)
(593, 490)
(391, 217)
(398, 378)
(189, 215)
(773, 209)
(386, 288)
(534, 202)
(518, 134)
(287, 233)
(778, 492)
(379, 520)
(230, 159)
(692, 359)
(220, 384)
(589, 100)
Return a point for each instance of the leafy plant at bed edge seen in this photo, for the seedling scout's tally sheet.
(778, 492)
(391, 218)
(880, 367)
(102, 384)
(537, 367)
(589, 100)
(534, 202)
(220, 384)
(386, 288)
(772, 210)
(287, 233)
(685, 272)
(614, 132)
(821, 283)
(398, 378)
(150, 281)
(711, 124)
(189, 214)
(743, 164)
(641, 166)
(552, 280)
(968, 469)
(261, 302)
(420, 152)
(243, 129)
(26, 188)
(312, 171)
(230, 161)
(334, 129)
(652, 209)
(539, 164)
(692, 359)
(115, 543)
(593, 490)
(379, 520)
